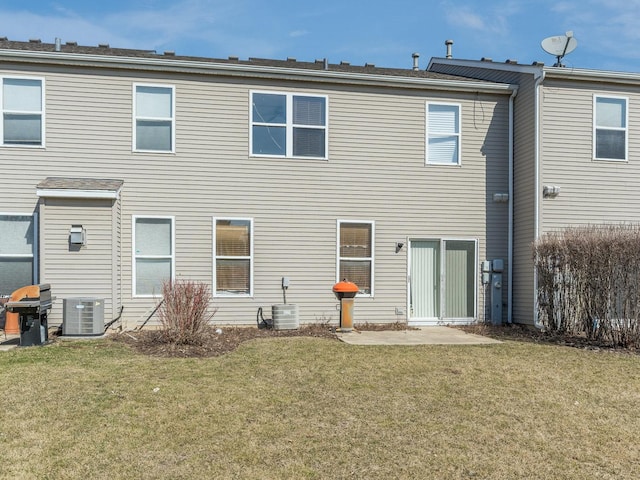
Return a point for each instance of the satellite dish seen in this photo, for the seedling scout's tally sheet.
(559, 46)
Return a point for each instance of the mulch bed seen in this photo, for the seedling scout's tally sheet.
(527, 333)
(214, 344)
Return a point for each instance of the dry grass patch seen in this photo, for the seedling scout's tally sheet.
(314, 408)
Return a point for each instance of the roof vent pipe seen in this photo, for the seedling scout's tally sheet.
(58, 44)
(415, 56)
(325, 63)
(449, 43)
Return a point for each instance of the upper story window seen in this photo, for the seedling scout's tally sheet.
(22, 111)
(153, 254)
(233, 244)
(288, 125)
(443, 134)
(355, 254)
(154, 118)
(610, 128)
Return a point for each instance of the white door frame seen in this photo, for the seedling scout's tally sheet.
(442, 320)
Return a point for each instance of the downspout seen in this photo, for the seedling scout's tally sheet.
(536, 219)
(510, 233)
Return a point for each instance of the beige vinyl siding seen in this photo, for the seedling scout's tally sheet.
(375, 171)
(524, 186)
(524, 173)
(592, 191)
(87, 272)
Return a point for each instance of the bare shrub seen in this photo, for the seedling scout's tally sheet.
(588, 279)
(185, 311)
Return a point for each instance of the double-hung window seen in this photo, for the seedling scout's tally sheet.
(355, 254)
(443, 134)
(154, 118)
(22, 111)
(153, 254)
(610, 128)
(17, 252)
(288, 125)
(233, 245)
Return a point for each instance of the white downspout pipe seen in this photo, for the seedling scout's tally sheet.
(510, 233)
(536, 220)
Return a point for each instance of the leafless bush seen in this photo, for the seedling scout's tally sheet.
(185, 311)
(588, 280)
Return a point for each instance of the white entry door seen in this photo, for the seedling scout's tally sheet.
(442, 281)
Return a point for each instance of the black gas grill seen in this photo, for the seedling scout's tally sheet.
(32, 313)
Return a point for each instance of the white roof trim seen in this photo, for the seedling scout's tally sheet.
(243, 70)
(70, 193)
(568, 73)
(592, 75)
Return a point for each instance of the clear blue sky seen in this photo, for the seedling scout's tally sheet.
(384, 33)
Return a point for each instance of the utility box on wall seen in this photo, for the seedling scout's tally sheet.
(497, 267)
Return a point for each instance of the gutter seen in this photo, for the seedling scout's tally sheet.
(243, 70)
(510, 228)
(536, 220)
(583, 74)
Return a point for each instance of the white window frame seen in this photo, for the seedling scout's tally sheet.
(625, 129)
(134, 257)
(289, 125)
(370, 259)
(172, 119)
(457, 134)
(34, 255)
(226, 257)
(41, 112)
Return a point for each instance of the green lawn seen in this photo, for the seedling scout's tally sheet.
(313, 408)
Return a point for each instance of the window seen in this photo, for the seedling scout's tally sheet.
(154, 118)
(288, 125)
(610, 128)
(22, 111)
(355, 254)
(233, 244)
(153, 256)
(17, 251)
(443, 134)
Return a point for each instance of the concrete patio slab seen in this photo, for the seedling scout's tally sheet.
(8, 342)
(420, 336)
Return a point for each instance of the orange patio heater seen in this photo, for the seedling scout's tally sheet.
(346, 291)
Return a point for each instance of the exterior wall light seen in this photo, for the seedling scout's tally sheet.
(77, 235)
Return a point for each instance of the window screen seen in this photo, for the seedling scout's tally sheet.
(233, 256)
(22, 111)
(153, 254)
(356, 254)
(154, 118)
(443, 134)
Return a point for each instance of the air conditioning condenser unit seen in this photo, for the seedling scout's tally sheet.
(83, 316)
